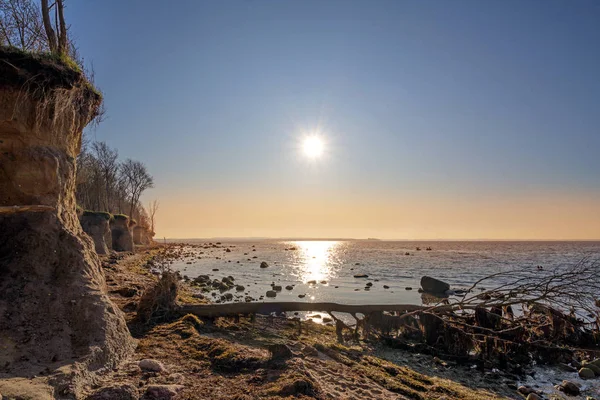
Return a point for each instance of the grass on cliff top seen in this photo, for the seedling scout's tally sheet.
(103, 214)
(121, 217)
(43, 68)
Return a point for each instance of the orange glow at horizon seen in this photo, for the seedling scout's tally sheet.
(541, 217)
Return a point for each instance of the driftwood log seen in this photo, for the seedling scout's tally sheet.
(232, 309)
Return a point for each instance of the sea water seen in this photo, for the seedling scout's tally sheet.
(394, 268)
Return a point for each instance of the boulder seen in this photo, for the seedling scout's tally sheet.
(52, 288)
(120, 228)
(96, 225)
(569, 388)
(432, 285)
(591, 366)
(586, 373)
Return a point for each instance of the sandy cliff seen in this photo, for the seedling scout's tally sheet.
(53, 303)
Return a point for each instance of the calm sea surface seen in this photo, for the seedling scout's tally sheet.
(386, 263)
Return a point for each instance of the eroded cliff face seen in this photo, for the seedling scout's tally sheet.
(121, 228)
(141, 235)
(96, 224)
(53, 303)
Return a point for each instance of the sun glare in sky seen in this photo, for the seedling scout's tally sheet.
(313, 146)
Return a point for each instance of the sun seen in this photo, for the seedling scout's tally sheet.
(313, 146)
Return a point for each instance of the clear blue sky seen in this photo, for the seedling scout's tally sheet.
(438, 99)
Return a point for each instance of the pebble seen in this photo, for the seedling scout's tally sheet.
(148, 364)
(271, 293)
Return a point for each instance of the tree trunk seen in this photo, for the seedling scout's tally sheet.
(48, 26)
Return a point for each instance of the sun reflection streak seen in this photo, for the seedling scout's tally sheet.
(317, 260)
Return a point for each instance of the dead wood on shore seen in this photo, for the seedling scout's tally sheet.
(528, 315)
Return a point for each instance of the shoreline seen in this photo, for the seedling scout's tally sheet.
(256, 339)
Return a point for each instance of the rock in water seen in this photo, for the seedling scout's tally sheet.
(569, 388)
(592, 366)
(432, 285)
(52, 288)
(586, 373)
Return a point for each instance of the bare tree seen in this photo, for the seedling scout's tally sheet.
(57, 39)
(21, 25)
(152, 209)
(138, 180)
(108, 167)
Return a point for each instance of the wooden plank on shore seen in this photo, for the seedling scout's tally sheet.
(26, 208)
(232, 309)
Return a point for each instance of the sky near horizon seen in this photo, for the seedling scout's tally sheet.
(440, 119)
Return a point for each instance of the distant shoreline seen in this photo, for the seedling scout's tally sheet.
(291, 239)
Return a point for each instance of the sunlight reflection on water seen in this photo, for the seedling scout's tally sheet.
(316, 260)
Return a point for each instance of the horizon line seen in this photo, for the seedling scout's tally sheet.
(374, 239)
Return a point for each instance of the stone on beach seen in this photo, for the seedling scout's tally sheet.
(161, 392)
(361, 276)
(148, 364)
(432, 285)
(264, 264)
(271, 293)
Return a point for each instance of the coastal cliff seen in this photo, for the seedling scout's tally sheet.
(121, 230)
(53, 301)
(96, 225)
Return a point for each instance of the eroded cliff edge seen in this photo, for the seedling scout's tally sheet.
(53, 304)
